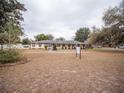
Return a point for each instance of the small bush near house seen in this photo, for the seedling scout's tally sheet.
(54, 47)
(9, 56)
(45, 47)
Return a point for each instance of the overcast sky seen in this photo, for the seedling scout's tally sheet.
(62, 18)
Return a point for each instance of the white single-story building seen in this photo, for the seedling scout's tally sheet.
(46, 44)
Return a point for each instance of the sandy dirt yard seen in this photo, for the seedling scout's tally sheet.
(62, 72)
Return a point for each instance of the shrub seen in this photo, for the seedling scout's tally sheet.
(54, 47)
(9, 56)
(45, 47)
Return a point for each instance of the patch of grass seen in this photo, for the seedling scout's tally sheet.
(108, 50)
(9, 56)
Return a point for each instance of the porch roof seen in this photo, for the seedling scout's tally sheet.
(57, 42)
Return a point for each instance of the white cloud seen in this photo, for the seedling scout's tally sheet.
(63, 17)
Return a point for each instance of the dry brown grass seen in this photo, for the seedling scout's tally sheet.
(62, 72)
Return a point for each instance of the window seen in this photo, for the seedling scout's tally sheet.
(40, 45)
(33, 45)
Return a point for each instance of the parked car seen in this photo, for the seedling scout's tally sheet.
(97, 46)
(121, 46)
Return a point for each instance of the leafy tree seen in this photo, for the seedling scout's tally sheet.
(11, 34)
(26, 41)
(10, 28)
(11, 10)
(114, 14)
(82, 34)
(107, 36)
(117, 34)
(40, 37)
(113, 19)
(50, 37)
(10, 21)
(111, 34)
(100, 36)
(111, 15)
(96, 37)
(3, 39)
(93, 36)
(14, 32)
(60, 39)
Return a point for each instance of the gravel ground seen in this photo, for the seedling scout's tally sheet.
(62, 72)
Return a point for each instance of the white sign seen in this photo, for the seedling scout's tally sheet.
(78, 49)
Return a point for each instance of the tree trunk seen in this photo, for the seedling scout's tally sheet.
(1, 47)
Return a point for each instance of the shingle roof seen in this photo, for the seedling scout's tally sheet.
(57, 42)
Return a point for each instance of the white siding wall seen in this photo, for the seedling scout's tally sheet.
(37, 46)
